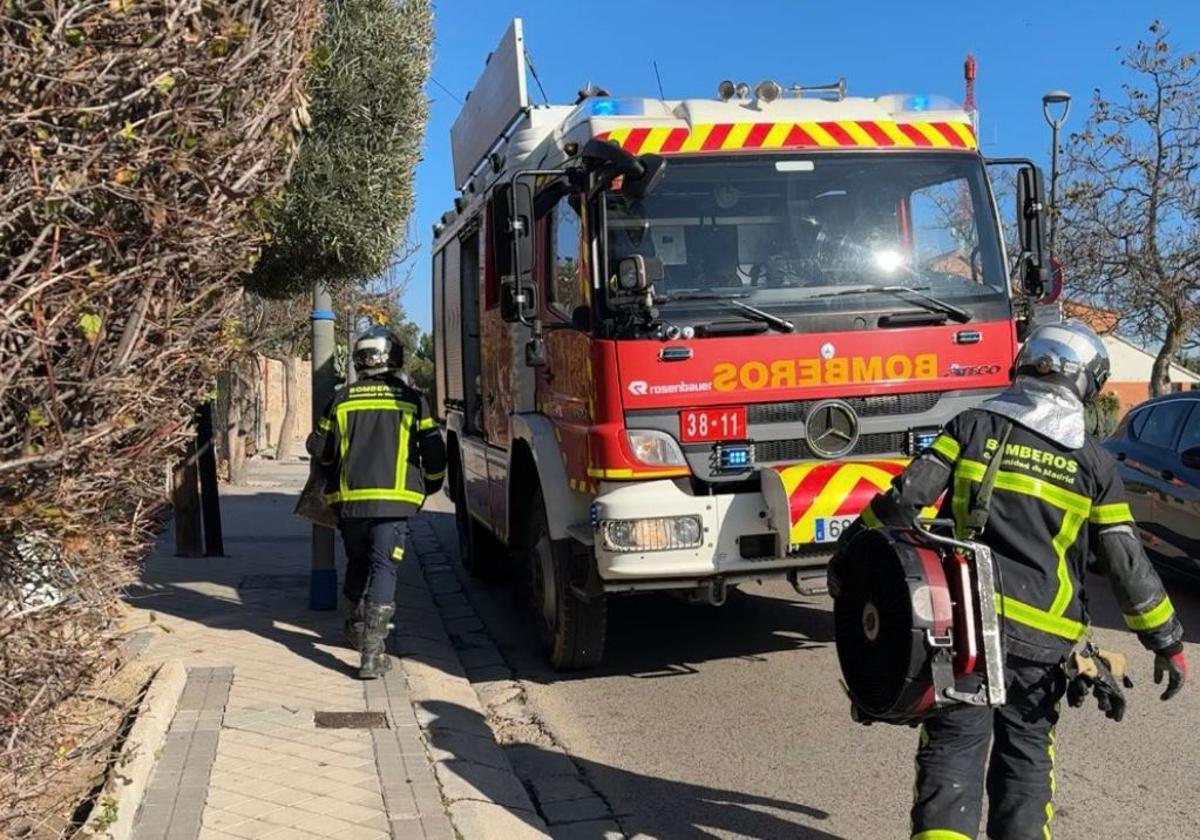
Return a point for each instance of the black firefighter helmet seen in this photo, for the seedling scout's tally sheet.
(378, 351)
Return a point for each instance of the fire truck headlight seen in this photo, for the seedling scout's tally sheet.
(654, 448)
(726, 90)
(665, 533)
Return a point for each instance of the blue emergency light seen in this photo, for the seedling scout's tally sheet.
(921, 439)
(734, 457)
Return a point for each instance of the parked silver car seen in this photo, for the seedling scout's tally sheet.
(1157, 446)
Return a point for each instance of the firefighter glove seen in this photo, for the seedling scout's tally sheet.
(1172, 663)
(1101, 674)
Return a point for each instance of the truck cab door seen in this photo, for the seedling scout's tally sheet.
(564, 384)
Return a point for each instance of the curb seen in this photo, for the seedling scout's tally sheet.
(122, 792)
(483, 795)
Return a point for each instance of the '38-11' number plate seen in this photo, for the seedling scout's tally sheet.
(702, 424)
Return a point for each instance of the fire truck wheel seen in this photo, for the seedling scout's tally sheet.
(477, 548)
(572, 629)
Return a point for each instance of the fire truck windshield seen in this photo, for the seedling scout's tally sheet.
(820, 234)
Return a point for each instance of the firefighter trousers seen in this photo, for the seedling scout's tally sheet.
(954, 767)
(373, 548)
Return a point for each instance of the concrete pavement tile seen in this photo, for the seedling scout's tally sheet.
(213, 834)
(466, 780)
(575, 810)
(220, 820)
(320, 824)
(292, 834)
(592, 830)
(438, 827)
(253, 829)
(531, 761)
(253, 808)
(450, 745)
(341, 810)
(559, 789)
(488, 820)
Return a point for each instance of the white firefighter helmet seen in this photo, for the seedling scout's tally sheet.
(1070, 352)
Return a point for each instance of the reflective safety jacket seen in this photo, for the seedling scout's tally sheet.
(382, 450)
(1050, 508)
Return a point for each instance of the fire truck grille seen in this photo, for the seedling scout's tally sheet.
(882, 443)
(877, 406)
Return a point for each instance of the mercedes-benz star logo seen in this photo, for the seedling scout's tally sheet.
(832, 429)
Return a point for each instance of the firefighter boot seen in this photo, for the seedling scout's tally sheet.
(376, 626)
(353, 626)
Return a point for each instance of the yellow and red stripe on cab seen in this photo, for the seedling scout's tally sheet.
(799, 494)
(716, 137)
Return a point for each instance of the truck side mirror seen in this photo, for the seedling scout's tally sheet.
(1034, 267)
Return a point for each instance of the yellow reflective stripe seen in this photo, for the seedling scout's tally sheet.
(1065, 538)
(1156, 617)
(1017, 483)
(324, 424)
(376, 495)
(377, 404)
(960, 505)
(426, 423)
(1110, 514)
(947, 447)
(1053, 787)
(398, 553)
(435, 476)
(402, 453)
(940, 834)
(1041, 620)
(869, 518)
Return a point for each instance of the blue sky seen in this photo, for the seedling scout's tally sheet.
(1021, 49)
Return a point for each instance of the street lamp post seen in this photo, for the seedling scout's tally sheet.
(1055, 98)
(322, 582)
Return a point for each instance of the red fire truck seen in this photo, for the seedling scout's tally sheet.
(680, 344)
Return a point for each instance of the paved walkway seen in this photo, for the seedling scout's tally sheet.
(245, 756)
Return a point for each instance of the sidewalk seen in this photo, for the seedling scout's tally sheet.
(248, 754)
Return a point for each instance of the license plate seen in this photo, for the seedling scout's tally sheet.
(827, 529)
(699, 424)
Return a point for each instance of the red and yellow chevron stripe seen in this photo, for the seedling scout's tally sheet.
(800, 494)
(789, 135)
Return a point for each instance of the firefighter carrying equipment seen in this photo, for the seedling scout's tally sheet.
(1052, 507)
(383, 447)
(1101, 672)
(914, 614)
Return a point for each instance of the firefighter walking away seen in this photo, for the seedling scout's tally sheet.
(1057, 500)
(382, 454)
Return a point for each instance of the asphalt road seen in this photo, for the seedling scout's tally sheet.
(729, 722)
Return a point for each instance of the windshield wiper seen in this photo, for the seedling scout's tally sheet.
(668, 298)
(756, 314)
(744, 309)
(928, 301)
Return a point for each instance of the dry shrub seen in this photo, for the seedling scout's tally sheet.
(143, 144)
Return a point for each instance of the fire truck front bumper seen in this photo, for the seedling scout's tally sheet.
(653, 535)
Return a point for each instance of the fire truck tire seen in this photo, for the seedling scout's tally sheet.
(572, 629)
(479, 550)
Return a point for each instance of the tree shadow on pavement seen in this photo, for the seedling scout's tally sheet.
(260, 587)
(665, 808)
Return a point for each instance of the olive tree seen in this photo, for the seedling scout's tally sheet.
(350, 195)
